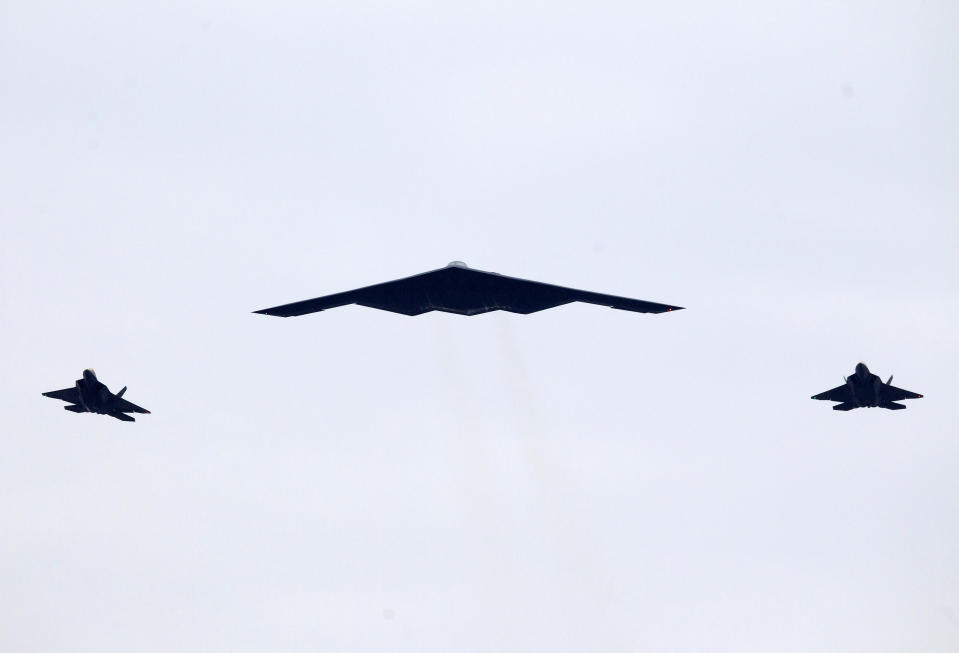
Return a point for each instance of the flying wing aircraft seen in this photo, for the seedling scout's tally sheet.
(866, 390)
(89, 395)
(457, 288)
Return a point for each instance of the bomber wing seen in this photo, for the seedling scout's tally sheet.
(465, 291)
(69, 395)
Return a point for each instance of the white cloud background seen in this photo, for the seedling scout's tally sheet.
(575, 480)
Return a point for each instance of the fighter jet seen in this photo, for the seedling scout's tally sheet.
(89, 395)
(459, 289)
(866, 390)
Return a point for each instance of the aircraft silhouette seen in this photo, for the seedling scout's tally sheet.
(457, 288)
(866, 390)
(89, 395)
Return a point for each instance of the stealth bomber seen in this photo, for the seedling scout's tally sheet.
(866, 390)
(89, 395)
(459, 289)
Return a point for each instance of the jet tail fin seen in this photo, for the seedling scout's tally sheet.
(120, 394)
(891, 405)
(75, 408)
(123, 417)
(844, 406)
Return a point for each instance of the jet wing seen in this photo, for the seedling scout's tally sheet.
(892, 393)
(465, 291)
(121, 405)
(70, 395)
(840, 393)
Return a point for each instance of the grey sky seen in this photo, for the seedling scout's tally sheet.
(576, 480)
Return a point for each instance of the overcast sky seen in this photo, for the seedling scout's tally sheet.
(580, 479)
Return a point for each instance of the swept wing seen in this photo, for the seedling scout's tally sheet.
(840, 393)
(69, 395)
(121, 405)
(465, 291)
(892, 393)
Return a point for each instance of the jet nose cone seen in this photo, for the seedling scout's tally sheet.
(861, 369)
